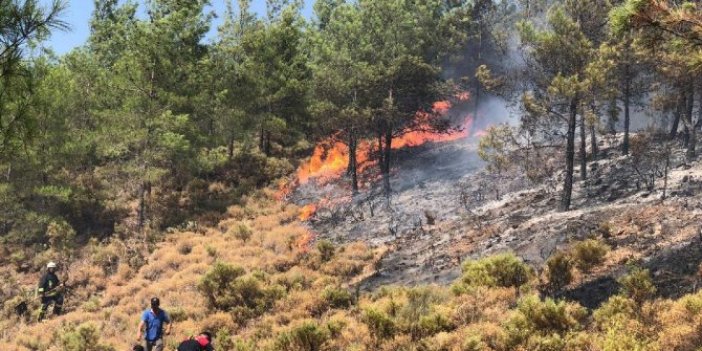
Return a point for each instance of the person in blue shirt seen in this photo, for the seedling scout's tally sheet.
(152, 326)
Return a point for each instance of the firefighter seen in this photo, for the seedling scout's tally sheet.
(202, 342)
(50, 290)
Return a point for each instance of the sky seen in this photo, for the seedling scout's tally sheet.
(79, 12)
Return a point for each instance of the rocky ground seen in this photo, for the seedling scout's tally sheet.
(446, 209)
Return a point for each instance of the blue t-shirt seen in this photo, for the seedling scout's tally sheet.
(154, 323)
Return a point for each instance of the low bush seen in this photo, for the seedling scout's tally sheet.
(543, 323)
(227, 287)
(241, 232)
(307, 337)
(326, 250)
(559, 271)
(84, 337)
(337, 297)
(504, 270)
(380, 325)
(637, 285)
(588, 254)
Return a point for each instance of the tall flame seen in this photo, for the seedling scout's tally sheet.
(330, 158)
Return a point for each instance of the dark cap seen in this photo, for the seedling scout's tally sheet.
(155, 302)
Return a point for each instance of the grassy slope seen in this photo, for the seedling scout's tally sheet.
(318, 309)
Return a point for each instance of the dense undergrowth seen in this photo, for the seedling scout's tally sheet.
(261, 281)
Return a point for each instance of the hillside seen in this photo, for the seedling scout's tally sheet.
(296, 291)
(419, 175)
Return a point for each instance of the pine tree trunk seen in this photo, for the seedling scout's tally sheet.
(692, 144)
(612, 117)
(676, 117)
(627, 112)
(381, 154)
(142, 205)
(353, 163)
(386, 161)
(267, 144)
(593, 142)
(230, 148)
(570, 156)
(583, 149)
(480, 58)
(691, 132)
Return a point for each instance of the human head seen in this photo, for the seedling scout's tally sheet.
(138, 348)
(208, 335)
(204, 338)
(51, 266)
(155, 303)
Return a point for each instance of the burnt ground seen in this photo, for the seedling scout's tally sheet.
(444, 209)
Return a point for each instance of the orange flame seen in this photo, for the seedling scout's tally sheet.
(331, 158)
(303, 241)
(307, 212)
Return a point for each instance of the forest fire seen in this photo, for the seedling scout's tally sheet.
(307, 212)
(330, 158)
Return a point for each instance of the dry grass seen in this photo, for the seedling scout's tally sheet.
(319, 302)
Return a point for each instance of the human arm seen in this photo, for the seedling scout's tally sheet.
(140, 329)
(169, 324)
(42, 286)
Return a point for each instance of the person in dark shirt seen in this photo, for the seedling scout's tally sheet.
(202, 342)
(50, 290)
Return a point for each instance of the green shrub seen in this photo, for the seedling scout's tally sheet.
(617, 337)
(211, 251)
(326, 250)
(637, 285)
(227, 288)
(242, 232)
(380, 326)
(588, 254)
(606, 229)
(61, 235)
(216, 284)
(224, 340)
(504, 270)
(294, 280)
(559, 271)
(617, 308)
(335, 327)
(432, 324)
(537, 321)
(473, 343)
(84, 337)
(92, 304)
(177, 314)
(306, 337)
(418, 316)
(337, 297)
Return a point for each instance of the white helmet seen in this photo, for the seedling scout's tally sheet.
(51, 265)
